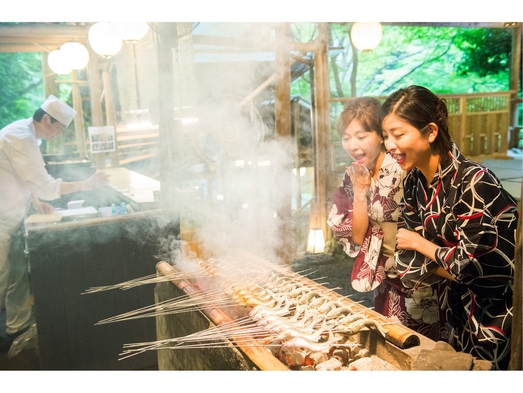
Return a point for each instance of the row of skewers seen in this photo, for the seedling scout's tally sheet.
(302, 324)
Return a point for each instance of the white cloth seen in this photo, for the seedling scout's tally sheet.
(22, 173)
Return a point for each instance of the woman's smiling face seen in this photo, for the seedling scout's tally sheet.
(364, 147)
(408, 145)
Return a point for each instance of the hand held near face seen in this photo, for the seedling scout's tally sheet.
(360, 177)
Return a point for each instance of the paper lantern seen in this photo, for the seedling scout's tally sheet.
(58, 63)
(366, 35)
(76, 54)
(131, 31)
(316, 241)
(105, 39)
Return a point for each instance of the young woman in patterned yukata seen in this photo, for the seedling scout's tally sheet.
(364, 218)
(457, 225)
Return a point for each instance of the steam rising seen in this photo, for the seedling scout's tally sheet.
(233, 195)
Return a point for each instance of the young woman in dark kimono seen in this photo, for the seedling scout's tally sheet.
(457, 225)
(364, 220)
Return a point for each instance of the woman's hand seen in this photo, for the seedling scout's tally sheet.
(360, 178)
(407, 240)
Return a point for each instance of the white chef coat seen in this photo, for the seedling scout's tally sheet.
(22, 173)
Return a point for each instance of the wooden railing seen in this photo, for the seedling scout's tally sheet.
(136, 144)
(479, 123)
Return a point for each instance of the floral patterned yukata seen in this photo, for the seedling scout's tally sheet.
(374, 266)
(473, 220)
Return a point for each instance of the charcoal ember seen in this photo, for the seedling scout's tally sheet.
(308, 361)
(292, 358)
(332, 364)
(342, 354)
(274, 346)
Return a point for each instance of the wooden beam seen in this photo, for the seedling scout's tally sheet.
(515, 77)
(44, 30)
(110, 111)
(48, 77)
(95, 96)
(18, 48)
(40, 37)
(323, 128)
(170, 132)
(79, 118)
(282, 119)
(41, 40)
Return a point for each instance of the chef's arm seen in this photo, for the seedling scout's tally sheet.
(94, 182)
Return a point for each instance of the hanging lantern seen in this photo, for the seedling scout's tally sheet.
(366, 35)
(104, 39)
(76, 54)
(131, 31)
(58, 63)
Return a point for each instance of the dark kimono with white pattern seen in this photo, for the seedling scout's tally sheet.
(475, 228)
(373, 270)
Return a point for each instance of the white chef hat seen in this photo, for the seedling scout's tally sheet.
(59, 110)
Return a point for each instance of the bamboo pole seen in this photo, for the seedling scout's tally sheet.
(258, 355)
(399, 335)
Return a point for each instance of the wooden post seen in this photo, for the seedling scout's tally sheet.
(95, 89)
(464, 137)
(323, 127)
(170, 136)
(282, 114)
(515, 75)
(79, 118)
(110, 112)
(295, 110)
(49, 76)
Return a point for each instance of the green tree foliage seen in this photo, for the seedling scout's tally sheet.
(22, 86)
(444, 59)
(485, 51)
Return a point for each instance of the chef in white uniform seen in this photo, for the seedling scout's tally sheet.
(24, 179)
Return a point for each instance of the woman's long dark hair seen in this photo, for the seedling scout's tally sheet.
(418, 106)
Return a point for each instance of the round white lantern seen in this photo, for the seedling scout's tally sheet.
(366, 35)
(131, 31)
(76, 53)
(58, 63)
(104, 39)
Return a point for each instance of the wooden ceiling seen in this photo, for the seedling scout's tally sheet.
(47, 36)
(40, 37)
